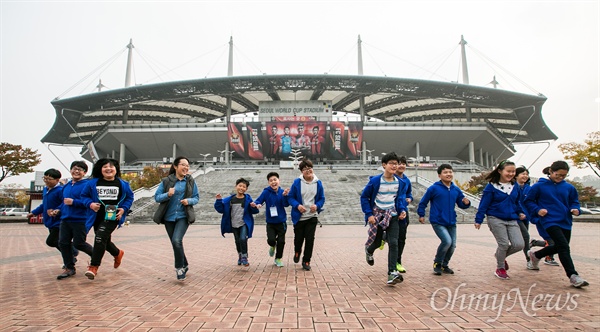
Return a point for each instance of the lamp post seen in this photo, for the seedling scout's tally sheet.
(416, 161)
(296, 155)
(204, 166)
(224, 157)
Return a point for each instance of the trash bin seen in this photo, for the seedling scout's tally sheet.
(36, 219)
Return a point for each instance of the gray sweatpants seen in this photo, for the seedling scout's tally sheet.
(508, 236)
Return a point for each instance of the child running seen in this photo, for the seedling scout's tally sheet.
(237, 218)
(443, 195)
(556, 201)
(272, 198)
(382, 203)
(500, 202)
(306, 198)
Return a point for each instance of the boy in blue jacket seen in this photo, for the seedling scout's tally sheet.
(306, 197)
(443, 195)
(383, 205)
(51, 199)
(555, 202)
(237, 218)
(76, 219)
(272, 198)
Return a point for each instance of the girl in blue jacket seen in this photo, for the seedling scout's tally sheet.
(110, 197)
(556, 201)
(237, 218)
(500, 202)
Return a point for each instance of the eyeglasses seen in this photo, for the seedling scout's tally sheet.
(47, 178)
(307, 169)
(184, 165)
(77, 169)
(560, 175)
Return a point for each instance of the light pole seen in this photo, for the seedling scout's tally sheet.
(416, 161)
(204, 170)
(223, 152)
(296, 155)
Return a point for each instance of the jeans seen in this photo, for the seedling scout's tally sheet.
(524, 226)
(276, 237)
(402, 237)
(176, 230)
(304, 231)
(561, 238)
(447, 234)
(102, 240)
(52, 240)
(392, 237)
(240, 235)
(508, 236)
(76, 232)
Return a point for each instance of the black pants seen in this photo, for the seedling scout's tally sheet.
(276, 237)
(524, 226)
(102, 240)
(240, 235)
(304, 231)
(402, 237)
(561, 238)
(76, 232)
(392, 236)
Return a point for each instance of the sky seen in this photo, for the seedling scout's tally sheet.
(53, 49)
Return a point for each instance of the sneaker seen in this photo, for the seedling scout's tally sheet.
(530, 265)
(447, 270)
(296, 257)
(306, 266)
(535, 262)
(400, 268)
(239, 259)
(186, 269)
(180, 273)
(118, 258)
(577, 281)
(370, 259)
(394, 277)
(244, 261)
(91, 272)
(437, 269)
(66, 273)
(382, 245)
(271, 251)
(74, 259)
(278, 262)
(550, 261)
(505, 265)
(501, 273)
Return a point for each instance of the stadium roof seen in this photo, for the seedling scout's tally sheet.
(516, 117)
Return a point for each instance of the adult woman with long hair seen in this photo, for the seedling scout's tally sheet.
(110, 197)
(500, 203)
(556, 201)
(177, 194)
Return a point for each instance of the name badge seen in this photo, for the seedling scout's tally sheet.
(273, 211)
(110, 212)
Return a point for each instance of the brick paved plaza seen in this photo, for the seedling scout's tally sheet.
(341, 293)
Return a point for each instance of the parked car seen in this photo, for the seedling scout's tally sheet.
(18, 212)
(587, 211)
(597, 210)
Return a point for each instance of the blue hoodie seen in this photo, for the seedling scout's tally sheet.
(90, 195)
(294, 198)
(499, 204)
(443, 199)
(78, 211)
(223, 206)
(270, 198)
(369, 194)
(558, 198)
(51, 199)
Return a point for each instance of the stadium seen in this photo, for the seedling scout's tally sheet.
(264, 121)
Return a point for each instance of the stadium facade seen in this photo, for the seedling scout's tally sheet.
(332, 118)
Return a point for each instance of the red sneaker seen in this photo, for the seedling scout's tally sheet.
(118, 258)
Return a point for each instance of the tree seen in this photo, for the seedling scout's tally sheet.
(586, 154)
(15, 160)
(476, 185)
(149, 177)
(587, 195)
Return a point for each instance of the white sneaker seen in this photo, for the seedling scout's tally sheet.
(535, 262)
(577, 281)
(530, 266)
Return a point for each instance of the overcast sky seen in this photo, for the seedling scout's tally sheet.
(55, 49)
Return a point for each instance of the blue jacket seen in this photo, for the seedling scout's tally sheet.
(269, 198)
(498, 204)
(558, 198)
(51, 199)
(223, 206)
(369, 193)
(90, 195)
(78, 211)
(443, 200)
(294, 199)
(408, 192)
